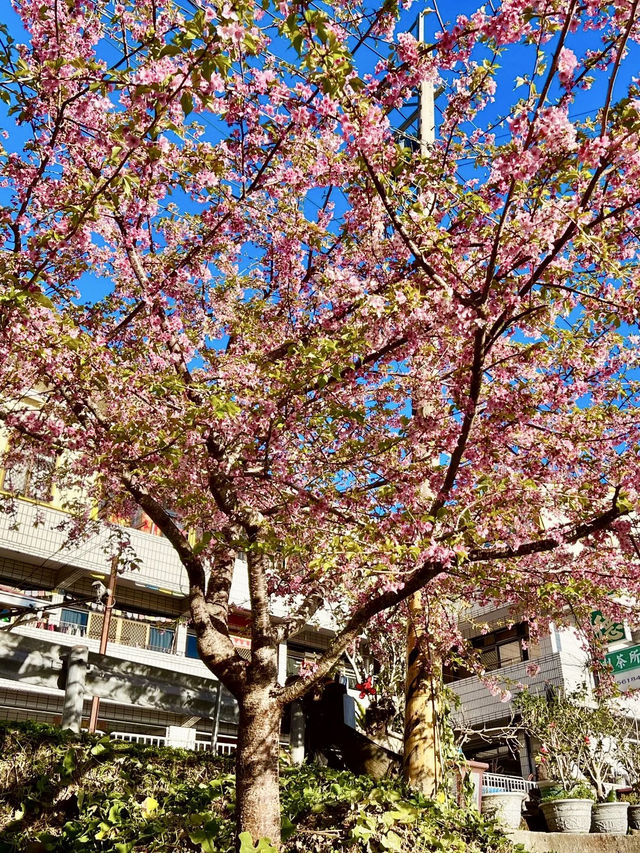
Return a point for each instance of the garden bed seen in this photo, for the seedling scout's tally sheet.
(65, 796)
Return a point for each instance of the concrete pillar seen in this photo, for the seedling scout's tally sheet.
(282, 663)
(296, 733)
(180, 642)
(74, 688)
(55, 615)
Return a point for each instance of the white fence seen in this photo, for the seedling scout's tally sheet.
(222, 747)
(494, 782)
(135, 737)
(226, 747)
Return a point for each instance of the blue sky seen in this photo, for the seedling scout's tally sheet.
(515, 63)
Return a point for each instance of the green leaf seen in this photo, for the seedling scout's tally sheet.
(186, 102)
(149, 806)
(391, 841)
(68, 763)
(287, 828)
(102, 748)
(263, 846)
(246, 843)
(206, 840)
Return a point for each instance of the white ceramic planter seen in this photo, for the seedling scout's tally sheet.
(567, 815)
(505, 806)
(610, 818)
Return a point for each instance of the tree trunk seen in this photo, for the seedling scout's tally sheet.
(422, 767)
(257, 772)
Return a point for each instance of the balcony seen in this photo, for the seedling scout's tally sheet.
(137, 633)
(136, 641)
(36, 533)
(480, 707)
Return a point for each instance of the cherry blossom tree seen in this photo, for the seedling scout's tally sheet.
(376, 366)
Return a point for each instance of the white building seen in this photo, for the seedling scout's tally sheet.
(151, 678)
(558, 661)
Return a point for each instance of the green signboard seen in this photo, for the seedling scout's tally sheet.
(624, 660)
(610, 630)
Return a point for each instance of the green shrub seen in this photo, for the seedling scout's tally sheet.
(64, 795)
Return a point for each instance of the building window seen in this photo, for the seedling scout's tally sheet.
(191, 650)
(497, 649)
(31, 476)
(160, 639)
(294, 662)
(73, 621)
(502, 647)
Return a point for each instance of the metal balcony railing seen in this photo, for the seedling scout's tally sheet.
(494, 782)
(128, 632)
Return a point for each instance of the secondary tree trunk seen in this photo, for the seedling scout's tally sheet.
(422, 767)
(257, 773)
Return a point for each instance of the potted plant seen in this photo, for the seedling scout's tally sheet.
(568, 810)
(504, 806)
(633, 799)
(581, 738)
(598, 759)
(610, 816)
(551, 720)
(629, 760)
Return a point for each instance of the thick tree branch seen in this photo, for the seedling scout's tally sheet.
(293, 625)
(549, 543)
(475, 386)
(217, 649)
(354, 626)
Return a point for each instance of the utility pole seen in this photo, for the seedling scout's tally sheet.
(422, 761)
(104, 637)
(426, 107)
(215, 728)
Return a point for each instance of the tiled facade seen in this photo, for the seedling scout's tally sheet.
(558, 661)
(149, 627)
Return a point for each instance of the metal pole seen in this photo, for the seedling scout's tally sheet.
(104, 637)
(296, 733)
(422, 764)
(216, 719)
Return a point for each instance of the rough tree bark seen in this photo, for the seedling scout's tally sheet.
(422, 765)
(257, 773)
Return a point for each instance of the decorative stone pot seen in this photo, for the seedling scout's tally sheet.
(505, 806)
(567, 815)
(609, 818)
(634, 817)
